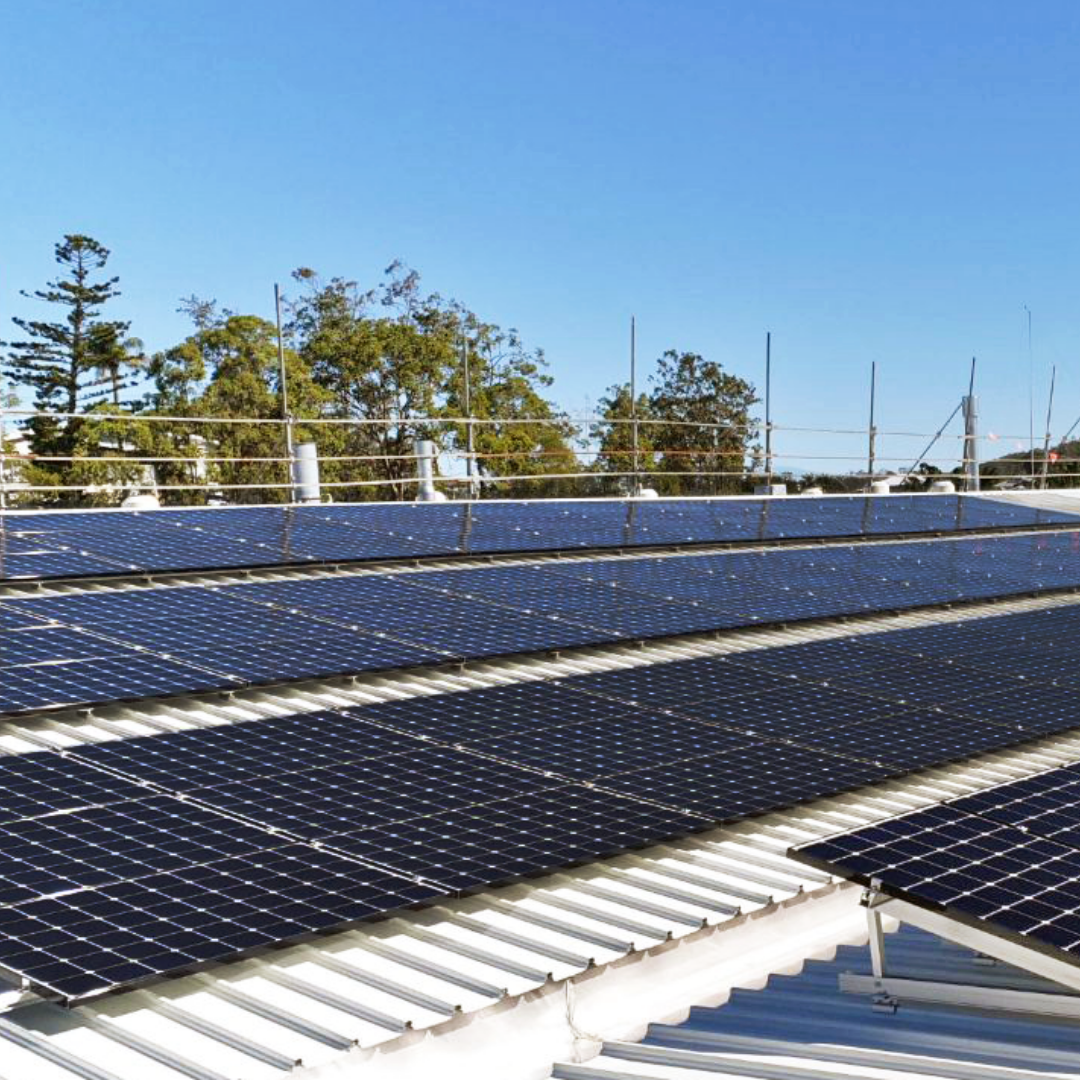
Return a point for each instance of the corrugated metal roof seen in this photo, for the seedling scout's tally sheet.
(660, 929)
(805, 1026)
(363, 990)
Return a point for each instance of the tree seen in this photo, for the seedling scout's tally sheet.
(525, 436)
(616, 438)
(228, 369)
(67, 363)
(374, 366)
(707, 430)
(393, 353)
(61, 361)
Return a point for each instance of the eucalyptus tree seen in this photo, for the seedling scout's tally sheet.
(706, 431)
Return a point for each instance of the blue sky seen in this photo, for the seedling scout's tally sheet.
(869, 180)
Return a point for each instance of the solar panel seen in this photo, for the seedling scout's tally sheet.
(736, 783)
(475, 845)
(345, 624)
(491, 712)
(1047, 804)
(105, 881)
(1018, 882)
(201, 757)
(1033, 710)
(31, 645)
(79, 544)
(86, 682)
(913, 740)
(41, 784)
(680, 682)
(460, 790)
(788, 713)
(592, 750)
(1008, 856)
(315, 802)
(84, 941)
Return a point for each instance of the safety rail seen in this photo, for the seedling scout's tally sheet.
(614, 469)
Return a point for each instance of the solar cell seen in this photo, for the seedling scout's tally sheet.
(590, 751)
(490, 712)
(924, 682)
(345, 653)
(236, 752)
(788, 713)
(1047, 804)
(912, 740)
(40, 784)
(673, 684)
(313, 803)
(51, 645)
(103, 845)
(1033, 710)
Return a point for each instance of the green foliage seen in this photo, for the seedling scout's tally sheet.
(393, 352)
(74, 362)
(692, 391)
(228, 369)
(700, 425)
(379, 368)
(525, 436)
(616, 439)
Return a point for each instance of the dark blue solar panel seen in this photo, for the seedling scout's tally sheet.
(462, 790)
(1007, 857)
(85, 682)
(1033, 710)
(345, 624)
(479, 715)
(592, 750)
(42, 784)
(84, 941)
(751, 780)
(51, 645)
(470, 846)
(789, 713)
(73, 544)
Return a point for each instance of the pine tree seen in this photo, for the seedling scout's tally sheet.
(67, 363)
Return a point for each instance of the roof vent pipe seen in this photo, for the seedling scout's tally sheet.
(305, 473)
(425, 470)
(880, 487)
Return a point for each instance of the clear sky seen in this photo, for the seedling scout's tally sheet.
(867, 179)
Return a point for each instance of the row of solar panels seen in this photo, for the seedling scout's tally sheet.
(1007, 858)
(59, 545)
(136, 857)
(136, 643)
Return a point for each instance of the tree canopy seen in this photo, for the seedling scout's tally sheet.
(695, 430)
(378, 367)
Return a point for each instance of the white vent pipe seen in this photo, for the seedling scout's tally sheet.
(425, 469)
(305, 473)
